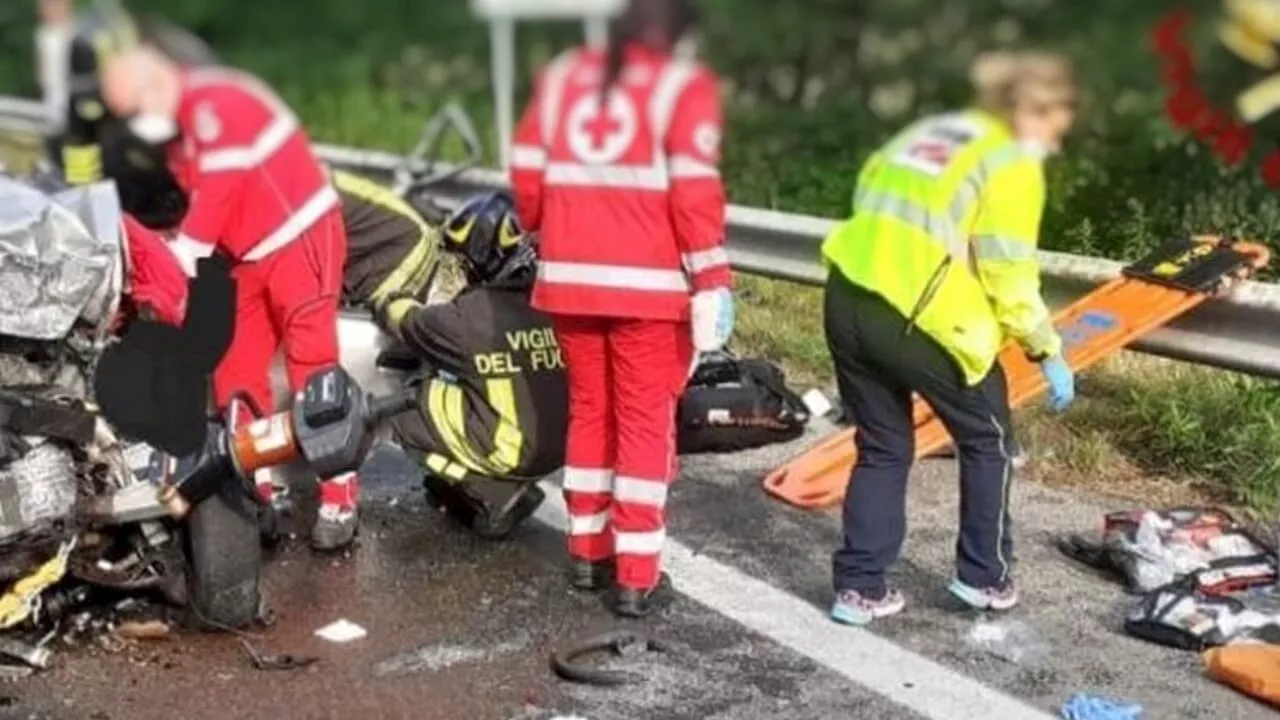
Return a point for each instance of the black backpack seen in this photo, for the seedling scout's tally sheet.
(734, 404)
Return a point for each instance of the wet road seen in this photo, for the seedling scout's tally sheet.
(460, 628)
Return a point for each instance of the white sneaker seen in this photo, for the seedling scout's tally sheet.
(853, 608)
(1005, 598)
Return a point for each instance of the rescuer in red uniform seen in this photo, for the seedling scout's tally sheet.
(155, 284)
(615, 163)
(258, 195)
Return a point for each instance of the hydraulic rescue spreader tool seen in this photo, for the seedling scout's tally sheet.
(330, 426)
(1149, 293)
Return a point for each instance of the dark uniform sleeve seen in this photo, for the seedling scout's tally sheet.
(80, 150)
(391, 249)
(81, 153)
(502, 414)
(438, 334)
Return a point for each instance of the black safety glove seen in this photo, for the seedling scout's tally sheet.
(153, 385)
(394, 305)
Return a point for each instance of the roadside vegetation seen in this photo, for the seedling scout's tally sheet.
(809, 95)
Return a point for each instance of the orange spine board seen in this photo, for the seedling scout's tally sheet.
(1094, 327)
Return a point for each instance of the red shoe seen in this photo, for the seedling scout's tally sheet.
(338, 517)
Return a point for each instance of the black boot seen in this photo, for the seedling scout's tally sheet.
(453, 500)
(272, 518)
(497, 524)
(590, 576)
(270, 531)
(465, 505)
(631, 603)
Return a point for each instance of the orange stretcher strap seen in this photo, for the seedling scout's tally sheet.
(1152, 292)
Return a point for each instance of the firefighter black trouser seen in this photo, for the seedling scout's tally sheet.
(878, 366)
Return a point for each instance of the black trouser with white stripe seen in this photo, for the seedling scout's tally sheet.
(878, 366)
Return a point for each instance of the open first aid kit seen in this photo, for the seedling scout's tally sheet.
(733, 403)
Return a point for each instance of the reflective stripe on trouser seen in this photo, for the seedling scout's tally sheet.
(445, 468)
(625, 377)
(878, 369)
(589, 449)
(447, 411)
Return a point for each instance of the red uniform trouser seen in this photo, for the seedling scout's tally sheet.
(290, 299)
(625, 378)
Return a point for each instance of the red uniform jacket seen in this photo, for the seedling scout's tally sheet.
(626, 195)
(247, 165)
(155, 279)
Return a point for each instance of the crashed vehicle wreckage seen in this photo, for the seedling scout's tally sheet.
(84, 510)
(61, 260)
(187, 531)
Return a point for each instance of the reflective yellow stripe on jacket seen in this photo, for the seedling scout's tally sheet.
(944, 227)
(82, 164)
(415, 271)
(446, 408)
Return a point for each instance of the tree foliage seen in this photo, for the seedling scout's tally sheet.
(811, 88)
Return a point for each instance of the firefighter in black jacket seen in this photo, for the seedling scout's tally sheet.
(494, 394)
(391, 248)
(94, 144)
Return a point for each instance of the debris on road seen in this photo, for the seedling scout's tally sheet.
(817, 403)
(143, 630)
(434, 658)
(1091, 707)
(341, 631)
(282, 661)
(1013, 641)
(12, 673)
(22, 601)
(623, 643)
(34, 655)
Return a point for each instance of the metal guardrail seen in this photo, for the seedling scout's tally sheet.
(1239, 332)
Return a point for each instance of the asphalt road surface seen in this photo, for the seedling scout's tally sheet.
(458, 628)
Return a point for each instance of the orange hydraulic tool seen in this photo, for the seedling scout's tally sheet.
(1150, 293)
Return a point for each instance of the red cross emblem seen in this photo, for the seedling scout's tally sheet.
(601, 133)
(931, 151)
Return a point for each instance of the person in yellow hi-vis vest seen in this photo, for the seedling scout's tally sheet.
(931, 274)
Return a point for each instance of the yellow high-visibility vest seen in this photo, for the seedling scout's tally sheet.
(945, 222)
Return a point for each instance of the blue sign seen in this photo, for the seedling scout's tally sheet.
(1089, 324)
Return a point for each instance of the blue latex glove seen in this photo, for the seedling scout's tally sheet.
(1088, 707)
(712, 317)
(1062, 382)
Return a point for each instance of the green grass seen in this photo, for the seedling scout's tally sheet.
(808, 95)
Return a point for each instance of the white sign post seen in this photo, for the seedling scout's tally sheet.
(502, 16)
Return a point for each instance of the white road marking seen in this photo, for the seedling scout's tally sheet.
(911, 680)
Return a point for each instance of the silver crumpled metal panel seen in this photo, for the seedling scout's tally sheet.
(37, 488)
(98, 207)
(17, 371)
(60, 259)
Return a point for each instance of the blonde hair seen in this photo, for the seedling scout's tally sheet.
(1004, 80)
